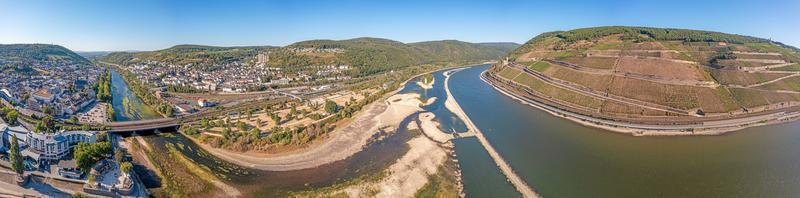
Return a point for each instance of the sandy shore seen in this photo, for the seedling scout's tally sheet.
(452, 105)
(407, 175)
(428, 85)
(429, 128)
(342, 142)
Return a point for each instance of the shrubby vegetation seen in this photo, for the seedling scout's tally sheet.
(103, 87)
(40, 52)
(661, 34)
(86, 154)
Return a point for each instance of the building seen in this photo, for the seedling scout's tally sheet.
(56, 146)
(69, 169)
(44, 95)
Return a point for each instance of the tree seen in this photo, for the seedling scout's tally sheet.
(15, 158)
(11, 117)
(275, 118)
(91, 180)
(255, 133)
(241, 126)
(331, 107)
(204, 123)
(125, 167)
(86, 155)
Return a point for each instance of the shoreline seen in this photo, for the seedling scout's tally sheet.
(452, 105)
(649, 130)
(321, 153)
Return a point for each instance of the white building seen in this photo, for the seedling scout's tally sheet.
(56, 146)
(44, 146)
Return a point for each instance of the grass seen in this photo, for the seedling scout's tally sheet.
(592, 62)
(795, 67)
(559, 93)
(177, 179)
(792, 84)
(767, 47)
(439, 185)
(336, 190)
(509, 73)
(727, 98)
(538, 65)
(191, 166)
(748, 97)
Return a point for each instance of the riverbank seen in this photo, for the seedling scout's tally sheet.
(340, 144)
(381, 115)
(452, 105)
(706, 128)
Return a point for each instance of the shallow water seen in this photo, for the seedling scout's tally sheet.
(127, 106)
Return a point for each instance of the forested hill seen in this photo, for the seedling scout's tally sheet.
(375, 55)
(37, 53)
(504, 46)
(188, 54)
(577, 41)
(366, 55)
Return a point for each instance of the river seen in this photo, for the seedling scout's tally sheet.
(560, 158)
(125, 103)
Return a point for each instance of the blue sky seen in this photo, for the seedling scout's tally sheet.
(90, 25)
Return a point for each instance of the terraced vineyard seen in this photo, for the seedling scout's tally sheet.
(672, 75)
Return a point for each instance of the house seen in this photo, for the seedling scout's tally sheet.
(205, 103)
(185, 108)
(46, 95)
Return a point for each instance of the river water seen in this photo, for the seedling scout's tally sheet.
(560, 158)
(125, 103)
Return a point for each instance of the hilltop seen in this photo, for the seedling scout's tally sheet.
(367, 55)
(655, 76)
(39, 53)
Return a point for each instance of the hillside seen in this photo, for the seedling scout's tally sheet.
(655, 75)
(366, 55)
(38, 53)
(504, 46)
(204, 56)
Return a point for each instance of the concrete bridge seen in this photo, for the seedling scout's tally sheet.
(143, 125)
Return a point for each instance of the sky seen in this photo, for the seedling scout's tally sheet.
(102, 25)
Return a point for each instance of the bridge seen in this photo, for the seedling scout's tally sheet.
(173, 122)
(143, 125)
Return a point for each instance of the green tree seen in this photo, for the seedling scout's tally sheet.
(255, 133)
(86, 155)
(15, 158)
(331, 107)
(11, 117)
(125, 167)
